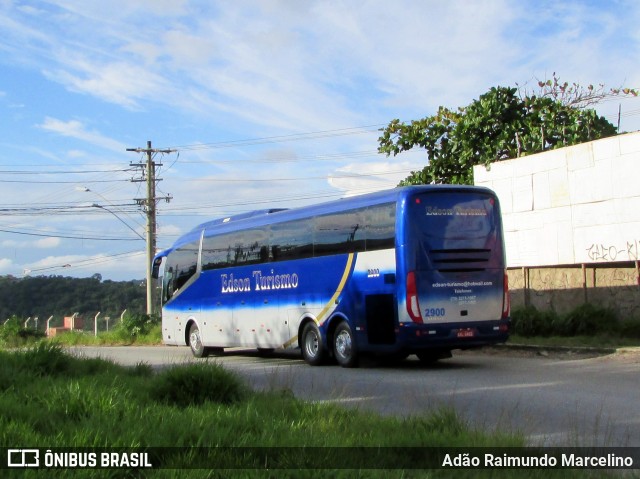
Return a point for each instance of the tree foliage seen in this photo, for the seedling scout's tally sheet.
(44, 296)
(498, 125)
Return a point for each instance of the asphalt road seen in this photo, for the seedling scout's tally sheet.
(554, 400)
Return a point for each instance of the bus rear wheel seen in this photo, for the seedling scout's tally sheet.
(195, 342)
(313, 350)
(344, 348)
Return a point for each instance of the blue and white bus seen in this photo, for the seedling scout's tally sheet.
(416, 270)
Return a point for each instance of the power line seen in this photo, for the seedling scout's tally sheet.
(179, 211)
(87, 262)
(282, 138)
(61, 172)
(61, 182)
(290, 159)
(66, 236)
(301, 178)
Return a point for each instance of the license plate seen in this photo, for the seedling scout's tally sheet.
(466, 333)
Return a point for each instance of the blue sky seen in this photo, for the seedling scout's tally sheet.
(270, 103)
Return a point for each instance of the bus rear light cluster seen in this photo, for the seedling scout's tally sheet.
(506, 301)
(413, 306)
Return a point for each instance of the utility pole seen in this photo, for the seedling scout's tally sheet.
(149, 205)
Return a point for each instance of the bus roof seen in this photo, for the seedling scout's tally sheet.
(258, 218)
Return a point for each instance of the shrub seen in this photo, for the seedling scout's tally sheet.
(45, 359)
(528, 321)
(195, 384)
(13, 334)
(587, 320)
(136, 324)
(630, 328)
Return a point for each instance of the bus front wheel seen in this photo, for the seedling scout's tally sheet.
(344, 347)
(313, 350)
(195, 342)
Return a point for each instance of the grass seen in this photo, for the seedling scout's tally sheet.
(49, 398)
(118, 336)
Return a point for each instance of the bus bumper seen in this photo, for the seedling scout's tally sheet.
(412, 337)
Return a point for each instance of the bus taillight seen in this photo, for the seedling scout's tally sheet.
(413, 307)
(506, 301)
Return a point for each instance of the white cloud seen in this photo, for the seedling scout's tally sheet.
(10, 244)
(47, 243)
(76, 129)
(357, 178)
(6, 266)
(266, 63)
(123, 83)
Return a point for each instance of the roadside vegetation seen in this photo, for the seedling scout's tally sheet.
(134, 328)
(587, 325)
(50, 398)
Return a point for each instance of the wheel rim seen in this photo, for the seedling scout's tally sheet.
(311, 344)
(194, 340)
(343, 344)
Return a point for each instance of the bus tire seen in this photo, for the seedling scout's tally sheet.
(344, 348)
(313, 350)
(195, 342)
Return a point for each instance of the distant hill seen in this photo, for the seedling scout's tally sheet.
(44, 296)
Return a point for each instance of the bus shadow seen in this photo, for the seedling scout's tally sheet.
(365, 362)
(413, 363)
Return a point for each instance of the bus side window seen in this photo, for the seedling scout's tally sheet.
(381, 226)
(339, 233)
(292, 240)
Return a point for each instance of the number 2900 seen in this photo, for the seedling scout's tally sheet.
(434, 312)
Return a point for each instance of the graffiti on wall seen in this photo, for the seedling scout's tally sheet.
(630, 251)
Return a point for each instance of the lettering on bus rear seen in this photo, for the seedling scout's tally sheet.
(455, 211)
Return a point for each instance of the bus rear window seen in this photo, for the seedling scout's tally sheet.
(450, 221)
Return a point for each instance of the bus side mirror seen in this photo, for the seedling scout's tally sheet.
(156, 268)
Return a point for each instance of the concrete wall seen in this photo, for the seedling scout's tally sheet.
(563, 288)
(571, 214)
(572, 205)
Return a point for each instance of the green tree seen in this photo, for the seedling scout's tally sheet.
(498, 125)
(43, 296)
